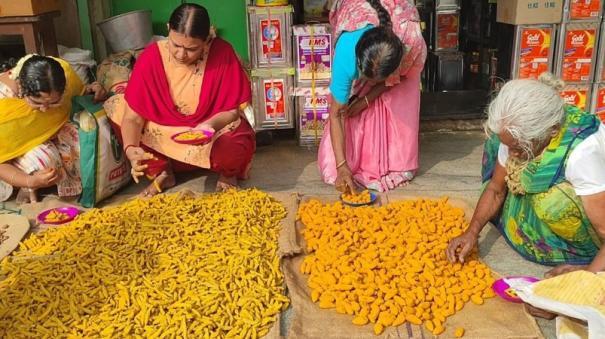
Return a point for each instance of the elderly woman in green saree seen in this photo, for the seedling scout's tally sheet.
(544, 179)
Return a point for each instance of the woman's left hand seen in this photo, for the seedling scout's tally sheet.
(356, 107)
(99, 92)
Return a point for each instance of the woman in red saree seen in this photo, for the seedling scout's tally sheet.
(191, 80)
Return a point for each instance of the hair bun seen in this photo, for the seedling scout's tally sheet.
(552, 81)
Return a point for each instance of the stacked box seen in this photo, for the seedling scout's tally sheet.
(446, 30)
(600, 69)
(313, 110)
(533, 51)
(272, 100)
(577, 95)
(447, 4)
(313, 59)
(270, 48)
(270, 31)
(598, 90)
(576, 10)
(313, 54)
(576, 52)
(598, 100)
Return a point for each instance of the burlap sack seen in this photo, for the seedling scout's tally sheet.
(494, 319)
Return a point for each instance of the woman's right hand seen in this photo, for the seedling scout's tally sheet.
(465, 242)
(344, 180)
(44, 178)
(137, 156)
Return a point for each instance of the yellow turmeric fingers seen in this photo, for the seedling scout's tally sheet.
(170, 266)
(387, 265)
(363, 197)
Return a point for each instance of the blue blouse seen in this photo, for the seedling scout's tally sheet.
(344, 69)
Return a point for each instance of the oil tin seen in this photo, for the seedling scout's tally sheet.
(600, 67)
(266, 3)
(577, 10)
(598, 101)
(446, 30)
(272, 98)
(447, 4)
(577, 51)
(577, 95)
(270, 36)
(533, 51)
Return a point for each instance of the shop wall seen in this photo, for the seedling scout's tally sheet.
(229, 16)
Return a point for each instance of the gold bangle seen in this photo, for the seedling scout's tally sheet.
(367, 102)
(342, 163)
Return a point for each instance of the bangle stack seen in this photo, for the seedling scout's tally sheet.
(340, 164)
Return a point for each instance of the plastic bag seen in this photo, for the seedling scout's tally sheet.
(103, 165)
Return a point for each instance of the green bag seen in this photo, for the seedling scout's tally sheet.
(104, 168)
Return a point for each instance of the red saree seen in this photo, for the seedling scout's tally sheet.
(224, 87)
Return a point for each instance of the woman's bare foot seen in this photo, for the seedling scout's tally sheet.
(226, 183)
(540, 313)
(26, 196)
(163, 181)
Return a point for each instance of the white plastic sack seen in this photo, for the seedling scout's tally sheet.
(579, 295)
(81, 60)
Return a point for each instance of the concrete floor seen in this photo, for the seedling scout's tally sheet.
(450, 165)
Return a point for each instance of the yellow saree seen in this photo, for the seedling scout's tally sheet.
(22, 128)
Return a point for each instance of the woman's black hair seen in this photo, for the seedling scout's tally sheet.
(191, 20)
(41, 74)
(7, 65)
(379, 51)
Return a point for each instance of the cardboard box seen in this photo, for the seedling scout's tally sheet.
(313, 51)
(313, 111)
(524, 12)
(28, 7)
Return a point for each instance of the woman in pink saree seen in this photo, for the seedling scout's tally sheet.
(372, 139)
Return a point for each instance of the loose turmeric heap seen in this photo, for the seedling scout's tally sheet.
(191, 136)
(388, 265)
(56, 216)
(171, 266)
(363, 197)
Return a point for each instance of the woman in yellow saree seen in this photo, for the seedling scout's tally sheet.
(36, 144)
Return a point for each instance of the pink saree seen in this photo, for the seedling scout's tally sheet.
(382, 141)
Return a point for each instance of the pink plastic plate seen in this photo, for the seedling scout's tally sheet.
(202, 141)
(506, 292)
(71, 212)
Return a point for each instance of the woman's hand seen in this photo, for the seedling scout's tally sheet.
(137, 155)
(465, 243)
(205, 127)
(99, 92)
(344, 180)
(44, 178)
(356, 107)
(562, 269)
